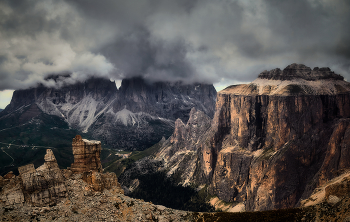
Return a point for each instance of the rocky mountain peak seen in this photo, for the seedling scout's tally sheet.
(300, 71)
(295, 79)
(135, 116)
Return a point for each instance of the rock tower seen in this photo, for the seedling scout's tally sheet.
(86, 155)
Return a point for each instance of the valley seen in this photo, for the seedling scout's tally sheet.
(268, 146)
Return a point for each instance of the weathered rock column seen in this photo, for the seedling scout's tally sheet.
(86, 155)
(45, 185)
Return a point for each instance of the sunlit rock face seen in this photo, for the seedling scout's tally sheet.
(86, 155)
(273, 141)
(135, 116)
(273, 137)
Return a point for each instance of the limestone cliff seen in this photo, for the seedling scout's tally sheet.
(273, 141)
(277, 138)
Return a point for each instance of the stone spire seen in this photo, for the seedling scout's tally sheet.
(86, 155)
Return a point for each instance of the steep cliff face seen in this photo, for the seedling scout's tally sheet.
(86, 155)
(135, 116)
(273, 141)
(277, 138)
(179, 152)
(167, 100)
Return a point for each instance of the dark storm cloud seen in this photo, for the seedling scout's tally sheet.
(137, 53)
(224, 41)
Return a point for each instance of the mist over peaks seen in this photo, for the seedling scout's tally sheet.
(219, 42)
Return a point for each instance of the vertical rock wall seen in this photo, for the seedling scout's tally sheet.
(273, 141)
(86, 155)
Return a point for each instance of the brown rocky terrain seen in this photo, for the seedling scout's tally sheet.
(271, 142)
(50, 194)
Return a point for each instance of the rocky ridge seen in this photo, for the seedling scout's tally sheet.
(135, 116)
(300, 71)
(179, 152)
(269, 150)
(50, 194)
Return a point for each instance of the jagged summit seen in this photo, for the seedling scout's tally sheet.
(295, 79)
(300, 71)
(135, 116)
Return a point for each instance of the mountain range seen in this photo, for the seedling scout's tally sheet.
(271, 142)
(279, 142)
(133, 117)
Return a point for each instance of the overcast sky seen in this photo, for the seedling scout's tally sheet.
(221, 42)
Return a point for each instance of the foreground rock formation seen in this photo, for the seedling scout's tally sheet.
(86, 155)
(43, 186)
(271, 142)
(82, 193)
(83, 203)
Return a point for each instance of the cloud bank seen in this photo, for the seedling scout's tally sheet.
(221, 42)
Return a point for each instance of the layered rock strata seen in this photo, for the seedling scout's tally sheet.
(86, 155)
(273, 141)
(37, 187)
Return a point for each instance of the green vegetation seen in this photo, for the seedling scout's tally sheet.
(30, 141)
(25, 155)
